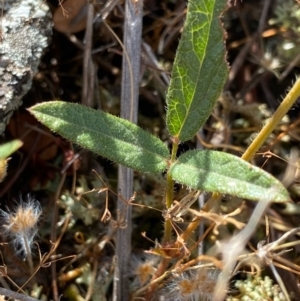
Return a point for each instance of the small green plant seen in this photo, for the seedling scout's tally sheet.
(257, 289)
(198, 76)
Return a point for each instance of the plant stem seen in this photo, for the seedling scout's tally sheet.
(284, 107)
(196, 221)
(169, 194)
(129, 110)
(161, 269)
(28, 255)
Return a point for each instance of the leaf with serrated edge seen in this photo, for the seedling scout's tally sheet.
(109, 136)
(224, 173)
(199, 71)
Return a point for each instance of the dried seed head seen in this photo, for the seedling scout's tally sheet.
(20, 224)
(190, 285)
(144, 271)
(181, 287)
(141, 269)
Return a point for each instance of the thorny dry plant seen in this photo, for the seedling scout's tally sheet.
(219, 219)
(266, 255)
(176, 250)
(179, 252)
(106, 216)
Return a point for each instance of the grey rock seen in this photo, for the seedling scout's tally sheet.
(26, 28)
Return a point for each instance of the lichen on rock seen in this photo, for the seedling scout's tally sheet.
(26, 27)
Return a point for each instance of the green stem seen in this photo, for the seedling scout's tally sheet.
(284, 107)
(169, 194)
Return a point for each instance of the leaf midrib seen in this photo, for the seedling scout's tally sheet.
(84, 127)
(198, 76)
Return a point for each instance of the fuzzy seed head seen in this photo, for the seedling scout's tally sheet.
(23, 220)
(191, 286)
(144, 272)
(182, 287)
(141, 269)
(20, 224)
(186, 287)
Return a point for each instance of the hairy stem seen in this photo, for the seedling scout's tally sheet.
(284, 107)
(169, 194)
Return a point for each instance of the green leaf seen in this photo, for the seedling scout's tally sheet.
(5, 151)
(9, 148)
(225, 173)
(199, 70)
(109, 136)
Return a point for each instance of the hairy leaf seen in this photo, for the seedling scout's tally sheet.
(199, 70)
(225, 173)
(109, 136)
